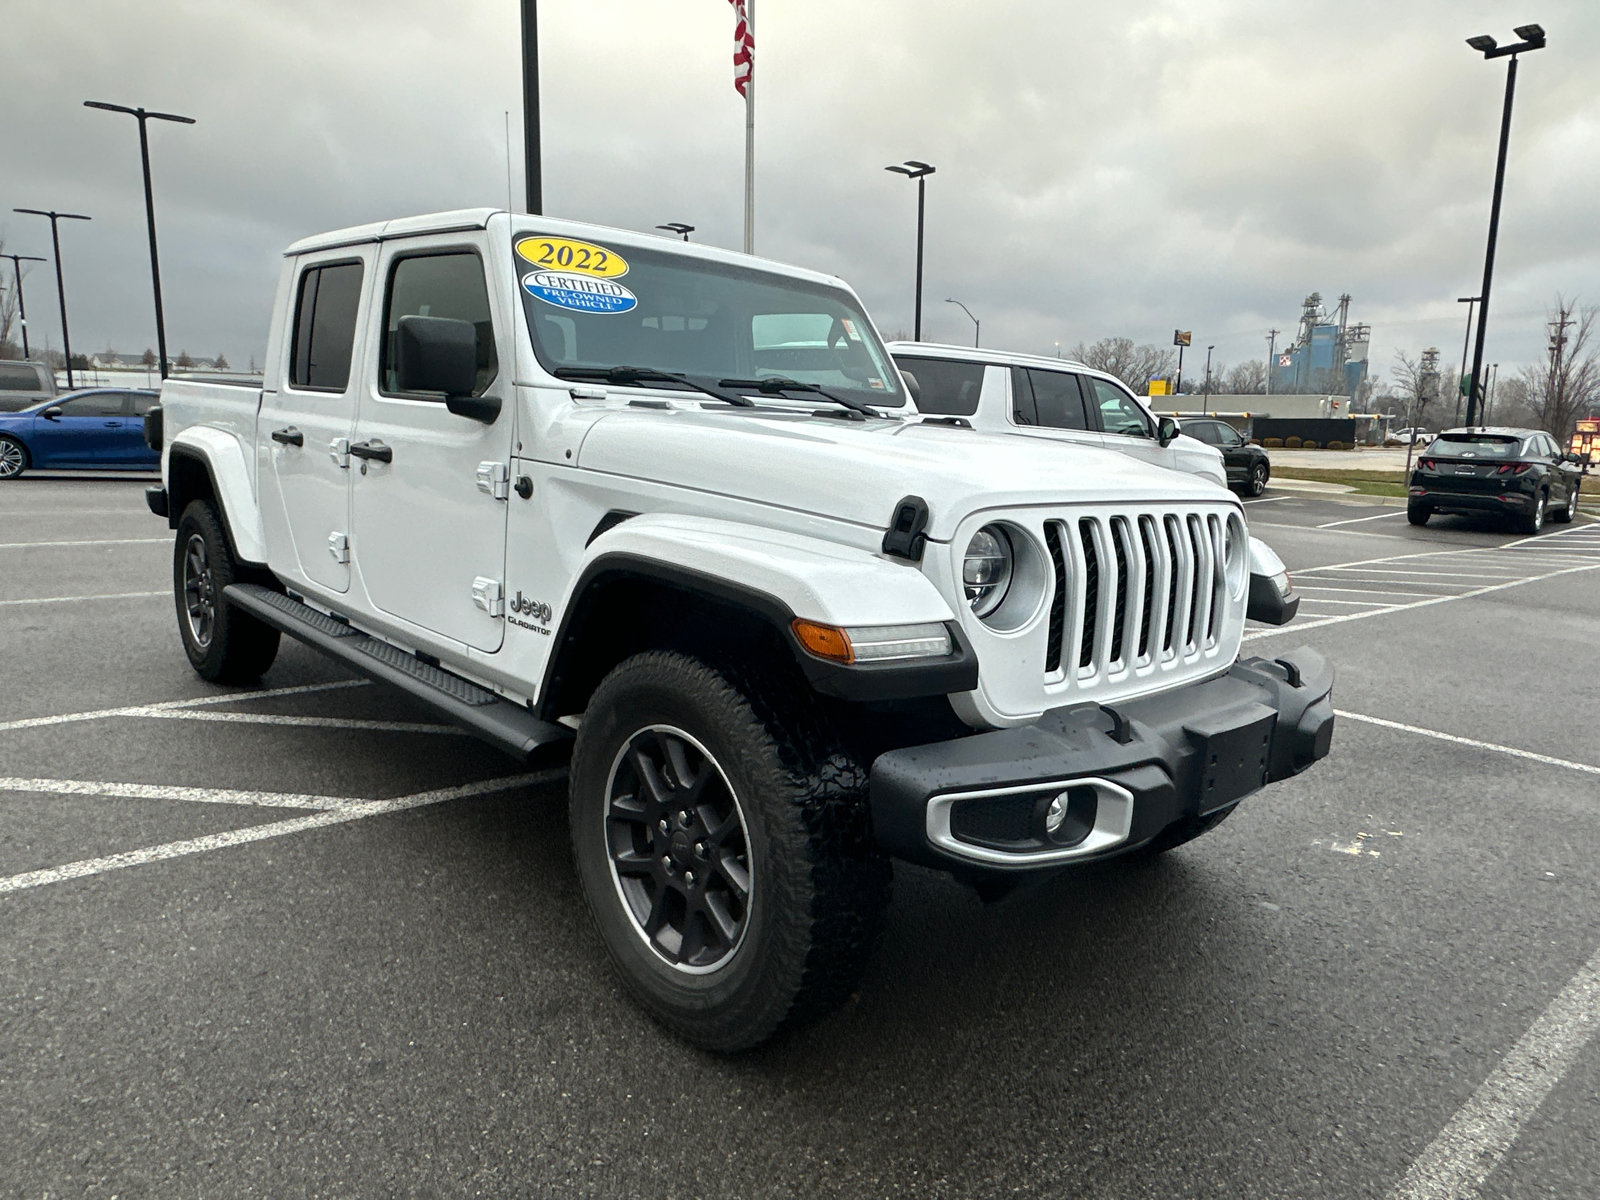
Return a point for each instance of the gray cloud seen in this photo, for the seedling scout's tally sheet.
(1103, 168)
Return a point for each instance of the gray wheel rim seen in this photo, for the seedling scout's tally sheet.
(199, 591)
(678, 849)
(1258, 480)
(1572, 503)
(1538, 513)
(11, 459)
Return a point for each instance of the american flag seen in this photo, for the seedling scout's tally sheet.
(744, 49)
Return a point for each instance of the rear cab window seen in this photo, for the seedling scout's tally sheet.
(20, 377)
(325, 327)
(946, 387)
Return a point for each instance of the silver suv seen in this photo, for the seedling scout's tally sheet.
(25, 383)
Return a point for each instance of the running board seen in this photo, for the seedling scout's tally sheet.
(498, 721)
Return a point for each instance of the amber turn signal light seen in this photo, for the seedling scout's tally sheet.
(825, 641)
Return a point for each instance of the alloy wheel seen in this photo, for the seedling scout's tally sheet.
(1258, 479)
(12, 458)
(199, 591)
(1572, 502)
(679, 849)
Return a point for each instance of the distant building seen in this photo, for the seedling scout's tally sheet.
(1329, 355)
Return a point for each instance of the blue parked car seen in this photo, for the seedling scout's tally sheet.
(101, 429)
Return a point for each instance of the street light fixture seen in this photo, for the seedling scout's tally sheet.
(149, 206)
(22, 308)
(920, 172)
(61, 288)
(679, 228)
(1533, 38)
(977, 326)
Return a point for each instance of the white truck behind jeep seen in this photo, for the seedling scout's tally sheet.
(552, 478)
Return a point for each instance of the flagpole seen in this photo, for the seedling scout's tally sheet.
(750, 137)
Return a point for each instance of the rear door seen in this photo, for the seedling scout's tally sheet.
(1052, 403)
(429, 542)
(86, 434)
(304, 427)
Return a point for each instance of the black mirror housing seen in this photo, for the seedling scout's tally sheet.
(438, 354)
(53, 413)
(1166, 430)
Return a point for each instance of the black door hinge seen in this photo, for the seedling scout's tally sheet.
(905, 537)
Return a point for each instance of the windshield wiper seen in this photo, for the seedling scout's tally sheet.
(635, 376)
(777, 385)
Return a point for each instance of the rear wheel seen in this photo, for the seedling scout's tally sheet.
(1258, 479)
(13, 458)
(1417, 514)
(1534, 521)
(224, 644)
(723, 847)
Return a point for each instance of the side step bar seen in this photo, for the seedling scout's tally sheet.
(498, 721)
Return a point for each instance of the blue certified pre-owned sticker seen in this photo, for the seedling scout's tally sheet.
(580, 293)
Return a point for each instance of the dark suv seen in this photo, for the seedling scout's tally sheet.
(1247, 464)
(1521, 473)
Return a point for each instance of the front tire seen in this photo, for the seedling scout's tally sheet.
(224, 645)
(1567, 512)
(724, 849)
(1258, 479)
(13, 458)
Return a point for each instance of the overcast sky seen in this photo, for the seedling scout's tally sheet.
(1103, 168)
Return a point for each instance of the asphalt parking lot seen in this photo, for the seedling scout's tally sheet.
(302, 941)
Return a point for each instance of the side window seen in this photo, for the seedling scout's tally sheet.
(1058, 399)
(440, 285)
(1203, 431)
(95, 404)
(1022, 408)
(325, 327)
(19, 378)
(949, 389)
(1119, 412)
(1227, 435)
(1550, 447)
(143, 402)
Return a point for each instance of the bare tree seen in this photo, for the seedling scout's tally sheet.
(1136, 366)
(1565, 386)
(8, 311)
(1245, 379)
(1416, 382)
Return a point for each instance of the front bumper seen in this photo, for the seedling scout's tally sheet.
(1118, 776)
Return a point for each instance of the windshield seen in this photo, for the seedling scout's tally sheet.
(592, 305)
(1475, 445)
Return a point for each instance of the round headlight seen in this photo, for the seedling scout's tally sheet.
(987, 569)
(1235, 555)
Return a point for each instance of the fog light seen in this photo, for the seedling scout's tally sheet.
(1056, 813)
(1068, 817)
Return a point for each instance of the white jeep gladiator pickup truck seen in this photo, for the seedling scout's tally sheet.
(658, 509)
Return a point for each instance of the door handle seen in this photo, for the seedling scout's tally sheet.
(113, 424)
(373, 449)
(289, 437)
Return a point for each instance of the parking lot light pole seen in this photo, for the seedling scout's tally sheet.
(22, 308)
(61, 288)
(920, 172)
(977, 326)
(1533, 38)
(141, 116)
(1466, 337)
(1209, 349)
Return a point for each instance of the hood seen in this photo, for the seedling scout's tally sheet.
(858, 471)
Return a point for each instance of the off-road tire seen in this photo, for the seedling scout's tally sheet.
(14, 458)
(1179, 833)
(224, 645)
(1417, 514)
(819, 888)
(1534, 521)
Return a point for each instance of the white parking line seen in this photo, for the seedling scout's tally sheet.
(168, 714)
(1456, 1163)
(1428, 603)
(145, 791)
(166, 541)
(1358, 520)
(352, 811)
(1473, 742)
(145, 710)
(75, 599)
(1363, 591)
(1268, 500)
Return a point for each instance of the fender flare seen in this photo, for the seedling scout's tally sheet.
(228, 469)
(777, 577)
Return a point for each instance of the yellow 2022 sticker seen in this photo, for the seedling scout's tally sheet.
(565, 254)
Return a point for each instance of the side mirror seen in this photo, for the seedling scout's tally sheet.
(440, 354)
(53, 413)
(1166, 430)
(912, 386)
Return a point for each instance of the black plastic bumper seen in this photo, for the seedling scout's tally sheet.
(1492, 502)
(1121, 775)
(155, 499)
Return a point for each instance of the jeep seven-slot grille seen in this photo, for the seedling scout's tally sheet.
(1157, 579)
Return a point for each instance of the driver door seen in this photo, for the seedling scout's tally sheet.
(1127, 427)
